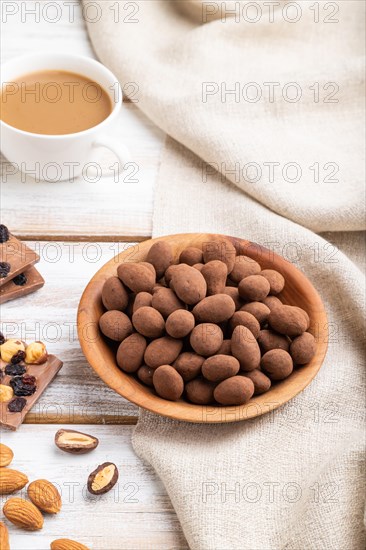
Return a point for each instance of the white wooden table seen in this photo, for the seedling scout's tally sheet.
(76, 227)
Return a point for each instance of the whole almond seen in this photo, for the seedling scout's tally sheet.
(6, 455)
(4, 537)
(23, 514)
(45, 496)
(67, 544)
(11, 481)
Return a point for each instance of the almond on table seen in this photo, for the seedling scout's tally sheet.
(103, 479)
(23, 514)
(4, 537)
(11, 481)
(45, 496)
(67, 544)
(74, 442)
(6, 455)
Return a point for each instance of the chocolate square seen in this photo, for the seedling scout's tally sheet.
(11, 290)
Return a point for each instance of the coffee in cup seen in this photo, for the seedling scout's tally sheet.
(54, 103)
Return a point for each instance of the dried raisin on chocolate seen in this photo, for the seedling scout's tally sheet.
(15, 370)
(4, 233)
(17, 404)
(20, 280)
(23, 385)
(18, 357)
(4, 269)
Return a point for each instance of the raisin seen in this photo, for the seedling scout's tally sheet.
(4, 269)
(15, 370)
(18, 357)
(2, 338)
(4, 233)
(20, 280)
(29, 379)
(23, 385)
(17, 404)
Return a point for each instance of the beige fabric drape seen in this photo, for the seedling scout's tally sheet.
(294, 478)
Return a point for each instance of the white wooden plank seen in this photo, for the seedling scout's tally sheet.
(40, 25)
(136, 515)
(49, 315)
(83, 209)
(80, 209)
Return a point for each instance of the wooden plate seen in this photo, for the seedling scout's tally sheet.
(298, 291)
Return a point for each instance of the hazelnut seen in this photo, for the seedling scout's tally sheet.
(10, 348)
(36, 353)
(6, 393)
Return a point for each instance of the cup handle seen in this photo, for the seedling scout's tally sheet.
(121, 151)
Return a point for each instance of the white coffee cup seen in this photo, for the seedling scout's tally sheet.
(63, 156)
